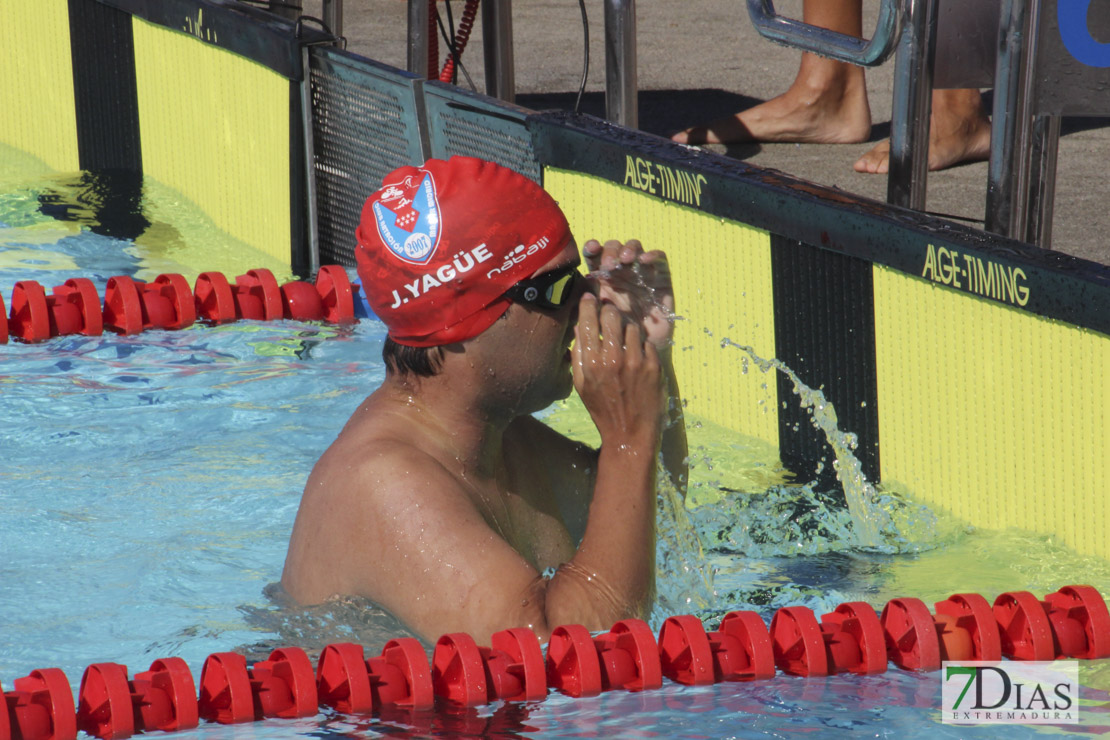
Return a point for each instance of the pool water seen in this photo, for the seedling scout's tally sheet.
(149, 485)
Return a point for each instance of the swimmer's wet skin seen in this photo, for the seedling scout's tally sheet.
(443, 499)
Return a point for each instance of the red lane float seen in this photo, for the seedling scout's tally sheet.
(739, 651)
(302, 301)
(748, 629)
(967, 629)
(331, 299)
(286, 684)
(225, 689)
(132, 306)
(257, 296)
(82, 293)
(337, 294)
(71, 308)
(685, 654)
(1024, 627)
(123, 308)
(30, 317)
(626, 657)
(1080, 622)
(572, 663)
(109, 706)
(1073, 622)
(849, 639)
(514, 666)
(175, 289)
(342, 680)
(911, 635)
(797, 642)
(458, 674)
(39, 708)
(399, 677)
(629, 657)
(282, 686)
(215, 302)
(854, 639)
(167, 696)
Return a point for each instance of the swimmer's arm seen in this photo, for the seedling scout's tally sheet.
(619, 378)
(418, 546)
(619, 477)
(612, 574)
(573, 465)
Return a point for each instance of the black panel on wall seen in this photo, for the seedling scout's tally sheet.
(825, 332)
(107, 195)
(104, 87)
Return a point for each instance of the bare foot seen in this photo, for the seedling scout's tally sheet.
(832, 111)
(959, 131)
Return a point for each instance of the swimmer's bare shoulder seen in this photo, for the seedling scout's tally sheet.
(336, 523)
(384, 519)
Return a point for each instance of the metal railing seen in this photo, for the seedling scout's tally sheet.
(907, 27)
(1050, 64)
(936, 44)
(333, 16)
(497, 33)
(912, 30)
(621, 82)
(331, 10)
(839, 46)
(912, 105)
(1043, 58)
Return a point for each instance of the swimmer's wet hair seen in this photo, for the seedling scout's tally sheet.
(400, 359)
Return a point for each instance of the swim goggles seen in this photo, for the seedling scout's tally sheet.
(550, 290)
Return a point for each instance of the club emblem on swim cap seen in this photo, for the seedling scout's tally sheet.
(407, 217)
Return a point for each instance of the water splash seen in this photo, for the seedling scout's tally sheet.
(684, 577)
(869, 521)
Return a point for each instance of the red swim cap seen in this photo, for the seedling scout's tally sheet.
(439, 245)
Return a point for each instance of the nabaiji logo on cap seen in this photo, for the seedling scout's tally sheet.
(408, 218)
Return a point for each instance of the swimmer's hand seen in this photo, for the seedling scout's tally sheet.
(617, 374)
(637, 283)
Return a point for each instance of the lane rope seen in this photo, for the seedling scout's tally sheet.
(130, 306)
(1072, 623)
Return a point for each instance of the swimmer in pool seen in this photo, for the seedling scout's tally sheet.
(443, 500)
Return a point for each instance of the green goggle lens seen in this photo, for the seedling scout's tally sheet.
(550, 290)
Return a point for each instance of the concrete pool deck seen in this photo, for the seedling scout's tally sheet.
(703, 59)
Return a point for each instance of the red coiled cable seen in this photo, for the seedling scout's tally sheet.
(466, 24)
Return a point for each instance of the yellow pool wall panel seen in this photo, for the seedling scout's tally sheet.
(37, 106)
(994, 414)
(215, 127)
(722, 279)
